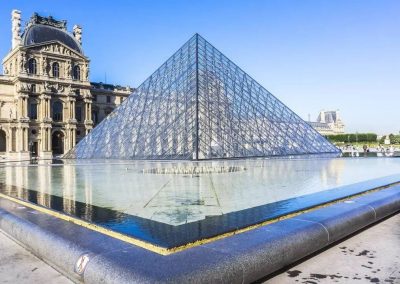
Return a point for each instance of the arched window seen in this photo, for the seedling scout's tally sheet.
(32, 66)
(3, 141)
(57, 142)
(56, 70)
(57, 111)
(77, 73)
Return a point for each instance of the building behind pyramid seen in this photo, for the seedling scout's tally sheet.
(200, 105)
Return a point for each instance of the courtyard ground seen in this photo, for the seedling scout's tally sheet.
(372, 256)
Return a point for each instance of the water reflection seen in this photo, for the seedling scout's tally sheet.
(118, 195)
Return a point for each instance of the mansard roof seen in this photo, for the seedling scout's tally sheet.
(41, 30)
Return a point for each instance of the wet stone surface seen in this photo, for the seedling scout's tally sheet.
(372, 256)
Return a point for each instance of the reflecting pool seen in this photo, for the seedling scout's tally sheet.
(173, 203)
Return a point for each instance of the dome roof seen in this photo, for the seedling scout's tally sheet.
(37, 33)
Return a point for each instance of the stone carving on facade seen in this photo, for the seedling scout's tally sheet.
(67, 89)
(16, 28)
(22, 63)
(56, 48)
(77, 33)
(54, 88)
(60, 88)
(44, 66)
(47, 86)
(68, 69)
(74, 92)
(87, 70)
(25, 87)
(49, 21)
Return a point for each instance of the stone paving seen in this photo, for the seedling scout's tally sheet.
(372, 256)
(17, 265)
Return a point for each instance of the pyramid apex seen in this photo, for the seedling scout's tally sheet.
(199, 105)
(197, 35)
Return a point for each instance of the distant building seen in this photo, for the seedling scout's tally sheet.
(328, 123)
(47, 103)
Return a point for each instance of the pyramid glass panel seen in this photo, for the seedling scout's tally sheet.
(200, 105)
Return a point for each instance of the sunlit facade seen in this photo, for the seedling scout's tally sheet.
(47, 103)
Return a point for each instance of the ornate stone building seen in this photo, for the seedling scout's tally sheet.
(47, 103)
(328, 123)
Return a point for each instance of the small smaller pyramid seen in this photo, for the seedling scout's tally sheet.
(200, 105)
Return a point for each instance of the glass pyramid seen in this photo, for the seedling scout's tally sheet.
(200, 105)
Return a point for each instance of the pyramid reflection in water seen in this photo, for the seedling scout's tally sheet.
(200, 105)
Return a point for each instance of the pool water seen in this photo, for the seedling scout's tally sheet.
(172, 203)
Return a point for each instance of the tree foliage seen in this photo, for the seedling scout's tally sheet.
(394, 139)
(352, 137)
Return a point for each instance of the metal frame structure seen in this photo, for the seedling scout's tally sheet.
(200, 105)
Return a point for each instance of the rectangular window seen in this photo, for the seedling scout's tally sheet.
(108, 99)
(78, 113)
(95, 116)
(33, 88)
(33, 111)
(95, 98)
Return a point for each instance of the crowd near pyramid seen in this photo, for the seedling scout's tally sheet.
(200, 105)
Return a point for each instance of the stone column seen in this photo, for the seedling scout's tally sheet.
(71, 142)
(86, 111)
(26, 138)
(73, 138)
(73, 110)
(90, 111)
(19, 139)
(18, 110)
(48, 139)
(42, 139)
(70, 109)
(48, 112)
(25, 106)
(44, 99)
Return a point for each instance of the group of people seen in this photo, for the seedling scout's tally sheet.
(366, 149)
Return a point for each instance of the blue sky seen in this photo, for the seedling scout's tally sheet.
(312, 55)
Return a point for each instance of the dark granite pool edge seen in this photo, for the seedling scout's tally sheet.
(244, 257)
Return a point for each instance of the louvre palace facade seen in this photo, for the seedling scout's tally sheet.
(329, 123)
(47, 102)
